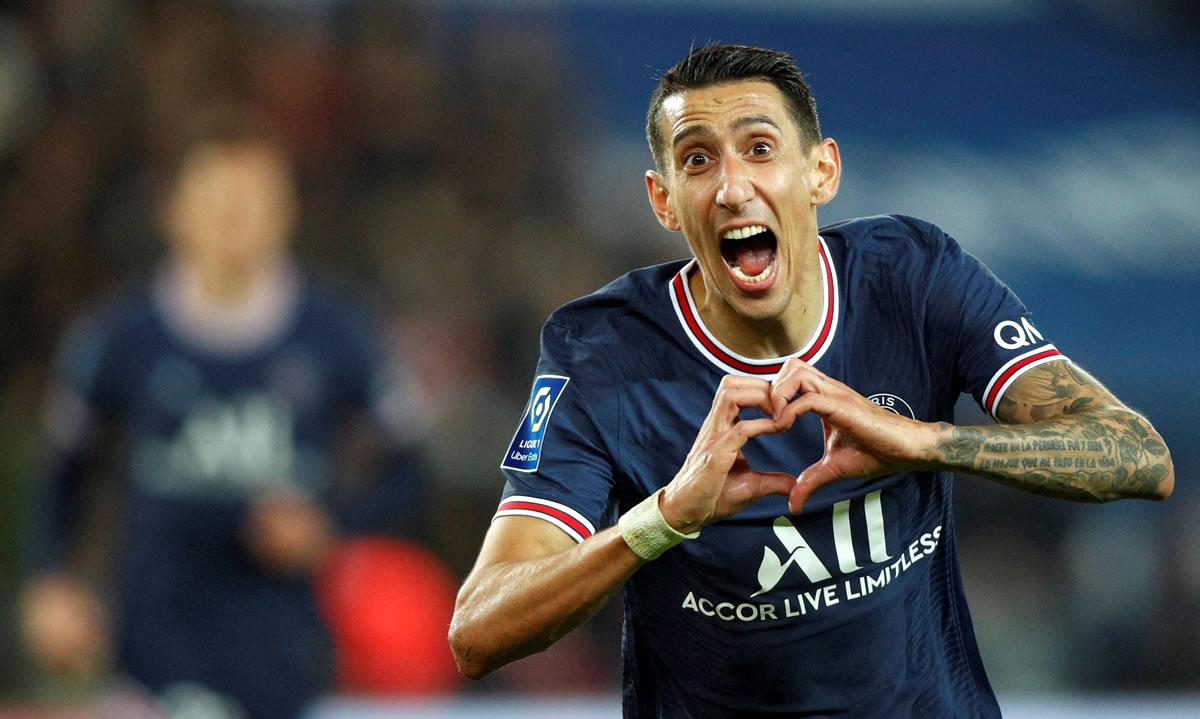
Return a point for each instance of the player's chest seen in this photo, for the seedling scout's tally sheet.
(177, 392)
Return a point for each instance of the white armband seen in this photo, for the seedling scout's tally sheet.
(646, 530)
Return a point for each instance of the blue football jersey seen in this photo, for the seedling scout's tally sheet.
(206, 431)
(855, 607)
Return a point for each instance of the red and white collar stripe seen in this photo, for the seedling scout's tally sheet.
(731, 362)
(560, 515)
(1014, 368)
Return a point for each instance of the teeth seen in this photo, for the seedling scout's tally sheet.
(763, 276)
(741, 233)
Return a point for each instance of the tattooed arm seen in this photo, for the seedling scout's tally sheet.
(1062, 434)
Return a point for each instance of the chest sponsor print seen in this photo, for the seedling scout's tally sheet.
(812, 585)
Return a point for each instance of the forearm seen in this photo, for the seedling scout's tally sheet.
(1094, 456)
(510, 610)
(60, 504)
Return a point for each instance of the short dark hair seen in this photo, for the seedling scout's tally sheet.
(716, 63)
(220, 126)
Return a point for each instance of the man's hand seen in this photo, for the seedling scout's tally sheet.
(861, 438)
(288, 533)
(716, 480)
(65, 627)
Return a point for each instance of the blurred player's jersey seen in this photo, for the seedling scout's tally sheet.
(208, 428)
(853, 608)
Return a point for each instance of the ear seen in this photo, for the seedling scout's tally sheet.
(656, 190)
(826, 169)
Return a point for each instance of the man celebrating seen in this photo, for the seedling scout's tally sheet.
(685, 399)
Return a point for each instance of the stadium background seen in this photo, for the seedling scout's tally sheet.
(472, 164)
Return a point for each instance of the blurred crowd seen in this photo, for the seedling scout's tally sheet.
(442, 175)
(435, 165)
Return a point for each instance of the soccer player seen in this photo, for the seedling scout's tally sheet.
(231, 376)
(765, 431)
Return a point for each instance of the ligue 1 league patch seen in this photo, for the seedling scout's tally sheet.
(525, 452)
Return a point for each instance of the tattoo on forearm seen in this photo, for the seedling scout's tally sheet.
(1047, 391)
(1072, 440)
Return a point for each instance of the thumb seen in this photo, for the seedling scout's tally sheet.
(808, 482)
(773, 483)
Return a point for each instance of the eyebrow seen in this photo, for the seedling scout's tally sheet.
(689, 132)
(755, 120)
(737, 125)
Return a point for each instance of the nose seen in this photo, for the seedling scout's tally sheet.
(735, 189)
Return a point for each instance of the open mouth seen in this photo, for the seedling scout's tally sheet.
(750, 253)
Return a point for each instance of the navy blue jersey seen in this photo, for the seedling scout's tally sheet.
(854, 607)
(206, 431)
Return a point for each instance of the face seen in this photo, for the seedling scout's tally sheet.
(743, 187)
(233, 208)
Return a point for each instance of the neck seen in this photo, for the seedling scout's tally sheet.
(225, 287)
(224, 315)
(777, 335)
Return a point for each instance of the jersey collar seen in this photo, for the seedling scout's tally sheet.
(731, 362)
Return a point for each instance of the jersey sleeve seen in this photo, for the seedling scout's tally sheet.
(983, 332)
(84, 392)
(393, 498)
(558, 465)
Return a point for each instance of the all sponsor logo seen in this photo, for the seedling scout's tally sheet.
(815, 586)
(801, 556)
(225, 446)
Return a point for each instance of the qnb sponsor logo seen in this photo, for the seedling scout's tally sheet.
(1014, 335)
(800, 555)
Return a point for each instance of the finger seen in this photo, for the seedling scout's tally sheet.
(752, 384)
(739, 380)
(731, 398)
(809, 481)
(826, 381)
(797, 497)
(798, 375)
(736, 437)
(820, 404)
(768, 483)
(750, 485)
(795, 378)
(785, 385)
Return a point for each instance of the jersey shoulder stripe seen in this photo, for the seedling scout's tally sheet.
(1014, 368)
(570, 521)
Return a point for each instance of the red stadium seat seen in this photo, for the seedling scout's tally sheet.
(388, 604)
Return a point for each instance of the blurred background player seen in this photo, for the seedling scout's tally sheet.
(232, 377)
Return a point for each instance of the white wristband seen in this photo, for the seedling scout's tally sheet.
(646, 530)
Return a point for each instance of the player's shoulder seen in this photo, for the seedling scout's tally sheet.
(890, 234)
(334, 300)
(341, 313)
(116, 317)
(123, 317)
(612, 316)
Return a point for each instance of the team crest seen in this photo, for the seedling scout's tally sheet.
(893, 403)
(525, 452)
